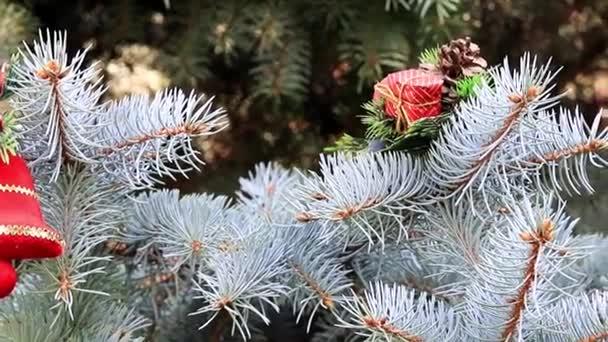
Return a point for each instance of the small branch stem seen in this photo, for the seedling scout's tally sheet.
(162, 133)
(219, 327)
(325, 297)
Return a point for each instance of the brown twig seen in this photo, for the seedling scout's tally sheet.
(595, 338)
(187, 129)
(592, 146)
(543, 234)
(384, 326)
(325, 297)
(219, 327)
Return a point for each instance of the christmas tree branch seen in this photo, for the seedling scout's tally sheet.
(537, 239)
(318, 276)
(333, 196)
(520, 105)
(53, 73)
(197, 129)
(145, 139)
(594, 146)
(391, 312)
(389, 330)
(326, 299)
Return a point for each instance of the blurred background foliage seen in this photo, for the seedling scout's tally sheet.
(293, 73)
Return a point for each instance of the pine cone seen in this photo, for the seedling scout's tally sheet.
(461, 57)
(458, 58)
(449, 96)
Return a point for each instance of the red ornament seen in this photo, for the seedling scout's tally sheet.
(23, 232)
(410, 95)
(8, 278)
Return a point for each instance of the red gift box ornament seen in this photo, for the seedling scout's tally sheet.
(410, 95)
(23, 232)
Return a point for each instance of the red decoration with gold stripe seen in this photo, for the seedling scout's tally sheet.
(410, 95)
(23, 231)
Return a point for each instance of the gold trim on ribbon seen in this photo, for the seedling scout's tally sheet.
(23, 230)
(19, 190)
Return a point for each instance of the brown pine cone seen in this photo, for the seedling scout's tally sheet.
(461, 57)
(458, 58)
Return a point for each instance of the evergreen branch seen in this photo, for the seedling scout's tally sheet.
(318, 276)
(186, 229)
(429, 56)
(561, 146)
(8, 141)
(579, 318)
(396, 4)
(145, 140)
(264, 189)
(452, 243)
(334, 15)
(594, 146)
(543, 234)
(191, 51)
(194, 130)
(405, 265)
(497, 139)
(85, 214)
(121, 325)
(243, 282)
(482, 130)
(595, 338)
(373, 196)
(283, 72)
(57, 101)
(443, 8)
(378, 124)
(229, 29)
(528, 262)
(326, 300)
(346, 143)
(393, 312)
(372, 53)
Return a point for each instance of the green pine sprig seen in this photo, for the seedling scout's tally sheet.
(346, 143)
(8, 143)
(418, 136)
(466, 87)
(378, 125)
(429, 56)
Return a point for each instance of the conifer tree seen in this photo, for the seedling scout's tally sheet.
(445, 222)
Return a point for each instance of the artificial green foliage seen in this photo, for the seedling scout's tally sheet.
(381, 128)
(378, 125)
(8, 141)
(466, 87)
(429, 56)
(347, 143)
(419, 135)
